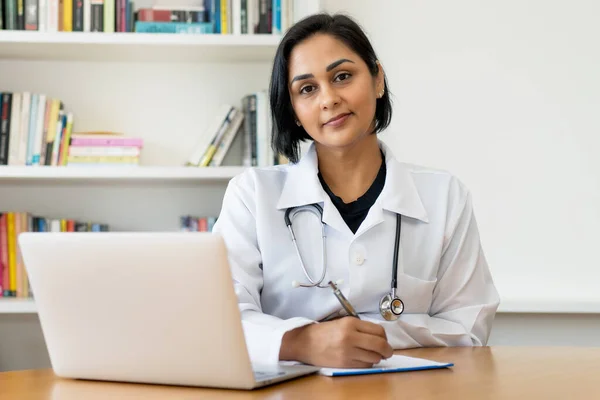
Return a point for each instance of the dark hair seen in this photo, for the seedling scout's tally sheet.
(286, 135)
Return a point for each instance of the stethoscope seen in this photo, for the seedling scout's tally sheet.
(390, 305)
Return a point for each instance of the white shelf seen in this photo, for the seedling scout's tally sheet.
(17, 306)
(136, 47)
(139, 173)
(549, 306)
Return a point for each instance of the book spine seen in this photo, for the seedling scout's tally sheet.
(15, 130)
(77, 15)
(32, 128)
(215, 16)
(236, 17)
(60, 129)
(67, 15)
(12, 259)
(64, 148)
(102, 159)
(43, 15)
(87, 16)
(52, 16)
(5, 127)
(31, 15)
(276, 17)
(10, 14)
(2, 249)
(4, 259)
(264, 25)
(170, 15)
(109, 16)
(42, 143)
(39, 130)
(91, 151)
(97, 11)
(77, 141)
(173, 27)
(225, 143)
(20, 15)
(244, 17)
(24, 133)
(224, 12)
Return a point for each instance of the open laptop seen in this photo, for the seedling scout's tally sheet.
(142, 307)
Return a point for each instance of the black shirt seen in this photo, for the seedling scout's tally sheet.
(355, 212)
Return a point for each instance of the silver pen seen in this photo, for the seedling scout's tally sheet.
(343, 301)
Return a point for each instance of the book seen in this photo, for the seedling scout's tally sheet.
(396, 363)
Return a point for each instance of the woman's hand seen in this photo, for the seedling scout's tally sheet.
(343, 343)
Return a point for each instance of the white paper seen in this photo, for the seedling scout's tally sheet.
(395, 363)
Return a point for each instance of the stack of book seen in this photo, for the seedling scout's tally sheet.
(34, 129)
(13, 276)
(104, 149)
(193, 223)
(69, 15)
(253, 120)
(208, 16)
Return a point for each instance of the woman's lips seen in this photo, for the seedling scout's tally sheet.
(339, 120)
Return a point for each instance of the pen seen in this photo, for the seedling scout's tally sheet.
(342, 299)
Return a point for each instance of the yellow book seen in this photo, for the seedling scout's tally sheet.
(224, 16)
(102, 159)
(63, 225)
(18, 261)
(208, 155)
(51, 134)
(67, 15)
(66, 141)
(12, 254)
(21, 263)
(21, 225)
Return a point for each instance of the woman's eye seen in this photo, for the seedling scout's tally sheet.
(342, 77)
(306, 89)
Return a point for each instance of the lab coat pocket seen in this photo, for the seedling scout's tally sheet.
(416, 293)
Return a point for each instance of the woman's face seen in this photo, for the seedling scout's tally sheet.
(333, 93)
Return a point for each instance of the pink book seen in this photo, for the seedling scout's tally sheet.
(106, 141)
(18, 270)
(3, 255)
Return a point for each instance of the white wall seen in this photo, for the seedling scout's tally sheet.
(506, 95)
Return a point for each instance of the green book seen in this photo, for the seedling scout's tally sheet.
(10, 11)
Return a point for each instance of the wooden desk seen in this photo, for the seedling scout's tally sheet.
(489, 372)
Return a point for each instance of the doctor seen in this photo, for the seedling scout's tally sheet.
(381, 219)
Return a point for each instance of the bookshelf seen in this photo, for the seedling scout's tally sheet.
(17, 306)
(164, 88)
(118, 174)
(135, 47)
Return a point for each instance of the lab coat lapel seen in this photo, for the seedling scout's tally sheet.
(400, 194)
(302, 186)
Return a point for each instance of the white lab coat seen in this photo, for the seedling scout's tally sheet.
(443, 277)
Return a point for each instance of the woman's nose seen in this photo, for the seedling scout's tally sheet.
(329, 98)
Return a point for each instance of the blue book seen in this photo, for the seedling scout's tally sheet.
(395, 363)
(173, 27)
(276, 16)
(33, 110)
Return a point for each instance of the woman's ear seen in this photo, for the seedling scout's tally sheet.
(380, 81)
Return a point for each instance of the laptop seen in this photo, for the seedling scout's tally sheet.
(143, 307)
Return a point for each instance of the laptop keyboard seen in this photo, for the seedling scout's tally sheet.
(264, 375)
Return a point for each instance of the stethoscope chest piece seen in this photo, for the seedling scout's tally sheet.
(391, 307)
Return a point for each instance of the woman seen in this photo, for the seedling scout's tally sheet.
(328, 87)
